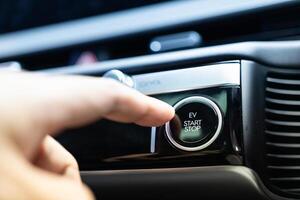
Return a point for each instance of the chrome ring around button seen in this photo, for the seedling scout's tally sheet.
(202, 100)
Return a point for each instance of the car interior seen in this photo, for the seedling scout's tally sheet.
(231, 70)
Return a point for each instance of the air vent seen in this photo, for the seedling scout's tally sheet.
(282, 130)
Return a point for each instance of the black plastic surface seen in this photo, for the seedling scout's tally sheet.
(207, 183)
(252, 94)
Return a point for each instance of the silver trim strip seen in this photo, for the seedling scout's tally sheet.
(225, 74)
(206, 101)
(153, 137)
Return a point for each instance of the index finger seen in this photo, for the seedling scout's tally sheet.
(103, 98)
(53, 103)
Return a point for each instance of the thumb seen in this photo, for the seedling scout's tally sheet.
(32, 183)
(49, 186)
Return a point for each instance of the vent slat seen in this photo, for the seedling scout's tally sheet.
(283, 112)
(283, 81)
(284, 145)
(283, 102)
(285, 179)
(285, 156)
(284, 167)
(283, 91)
(282, 123)
(282, 134)
(292, 190)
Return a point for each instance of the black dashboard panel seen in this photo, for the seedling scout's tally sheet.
(104, 144)
(110, 145)
(119, 146)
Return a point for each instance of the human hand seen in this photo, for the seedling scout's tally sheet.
(34, 107)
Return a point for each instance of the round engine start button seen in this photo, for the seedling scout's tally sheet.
(196, 125)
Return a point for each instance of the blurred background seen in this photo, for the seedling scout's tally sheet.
(50, 34)
(21, 14)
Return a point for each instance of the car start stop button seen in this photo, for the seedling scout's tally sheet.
(196, 125)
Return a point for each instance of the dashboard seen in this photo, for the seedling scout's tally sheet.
(231, 72)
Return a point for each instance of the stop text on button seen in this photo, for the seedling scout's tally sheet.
(192, 125)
